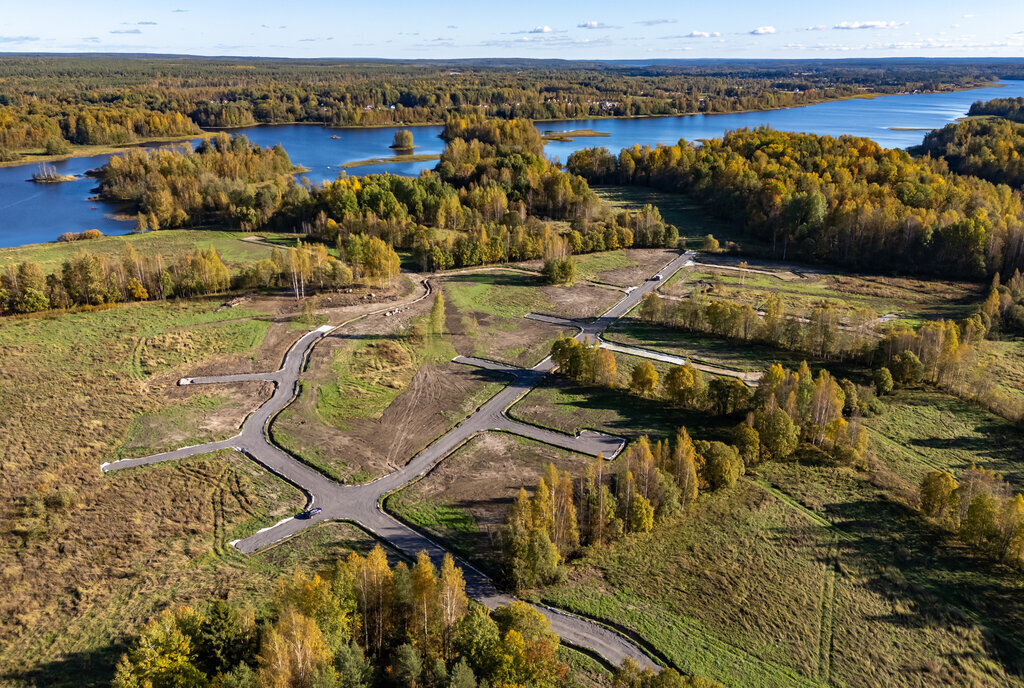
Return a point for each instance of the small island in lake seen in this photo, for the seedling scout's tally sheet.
(403, 141)
(47, 174)
(569, 136)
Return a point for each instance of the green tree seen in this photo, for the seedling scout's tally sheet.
(938, 496)
(407, 667)
(724, 465)
(883, 381)
(164, 654)
(779, 436)
(403, 140)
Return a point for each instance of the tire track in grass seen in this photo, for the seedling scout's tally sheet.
(827, 623)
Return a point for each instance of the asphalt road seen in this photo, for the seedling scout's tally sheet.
(362, 504)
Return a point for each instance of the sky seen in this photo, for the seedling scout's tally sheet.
(600, 29)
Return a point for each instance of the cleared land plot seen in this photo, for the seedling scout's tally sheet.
(925, 430)
(373, 397)
(485, 313)
(165, 242)
(692, 220)
(911, 300)
(78, 548)
(465, 500)
(625, 267)
(700, 348)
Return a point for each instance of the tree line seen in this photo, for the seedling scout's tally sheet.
(55, 102)
(980, 508)
(843, 200)
(91, 279)
(362, 624)
(790, 412)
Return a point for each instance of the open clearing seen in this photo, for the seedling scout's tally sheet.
(623, 268)
(464, 500)
(373, 397)
(233, 247)
(692, 220)
(911, 300)
(485, 313)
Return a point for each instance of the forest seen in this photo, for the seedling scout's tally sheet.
(991, 149)
(845, 200)
(53, 103)
(493, 187)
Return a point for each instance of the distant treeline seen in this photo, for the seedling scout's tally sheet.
(843, 200)
(53, 102)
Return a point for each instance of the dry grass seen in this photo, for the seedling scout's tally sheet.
(85, 557)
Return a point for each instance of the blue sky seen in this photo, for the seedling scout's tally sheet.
(641, 29)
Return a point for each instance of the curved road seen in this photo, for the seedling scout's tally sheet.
(362, 504)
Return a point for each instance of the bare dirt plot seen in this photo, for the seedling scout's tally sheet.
(467, 497)
(624, 268)
(372, 398)
(517, 341)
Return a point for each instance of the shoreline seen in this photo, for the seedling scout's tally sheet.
(83, 152)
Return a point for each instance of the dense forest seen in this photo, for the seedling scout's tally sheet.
(1007, 108)
(496, 190)
(54, 102)
(992, 149)
(224, 177)
(844, 200)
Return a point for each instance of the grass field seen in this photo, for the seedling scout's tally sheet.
(464, 500)
(369, 374)
(80, 576)
(911, 300)
(692, 220)
(700, 348)
(165, 242)
(925, 430)
(486, 309)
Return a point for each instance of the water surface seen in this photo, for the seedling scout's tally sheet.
(32, 213)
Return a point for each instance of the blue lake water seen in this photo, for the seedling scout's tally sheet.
(31, 213)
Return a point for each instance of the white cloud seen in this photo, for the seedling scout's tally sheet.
(18, 39)
(655, 22)
(541, 29)
(868, 25)
(816, 27)
(595, 25)
(126, 31)
(702, 34)
(763, 31)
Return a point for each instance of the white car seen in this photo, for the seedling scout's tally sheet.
(656, 278)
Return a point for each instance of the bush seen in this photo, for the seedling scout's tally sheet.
(57, 146)
(560, 271)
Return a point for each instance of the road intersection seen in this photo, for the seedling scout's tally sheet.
(363, 504)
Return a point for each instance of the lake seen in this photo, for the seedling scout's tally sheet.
(32, 213)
